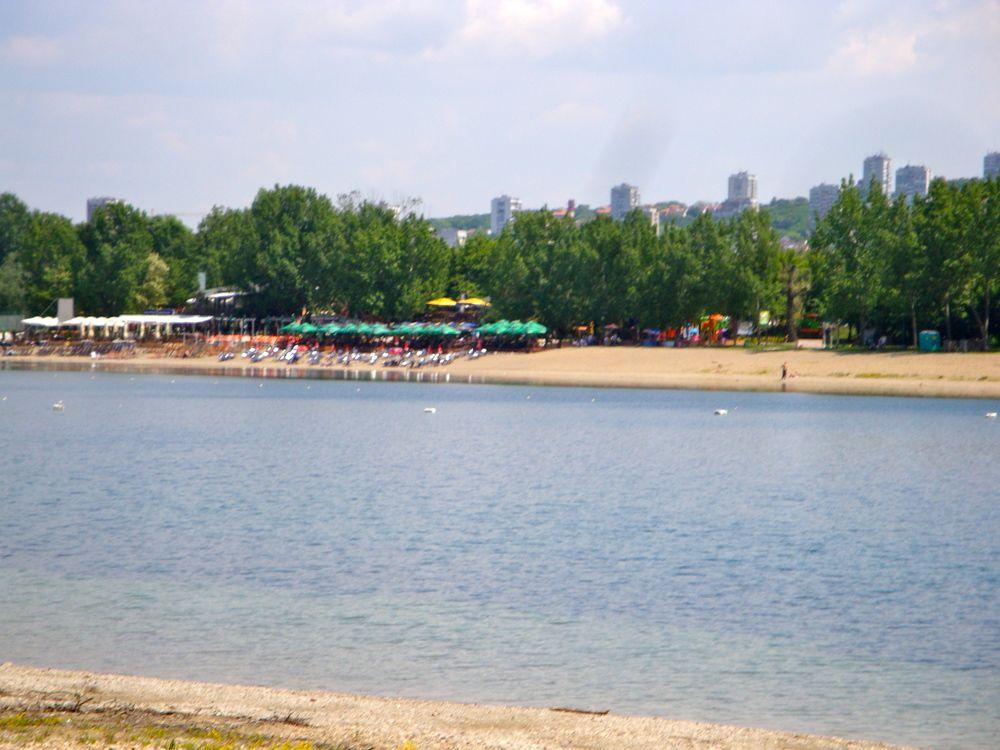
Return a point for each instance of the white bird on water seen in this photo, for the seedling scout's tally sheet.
(430, 410)
(721, 412)
(58, 406)
(991, 415)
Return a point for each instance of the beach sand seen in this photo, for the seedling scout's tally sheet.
(63, 709)
(973, 375)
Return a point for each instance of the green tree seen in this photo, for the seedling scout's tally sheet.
(979, 241)
(176, 247)
(118, 244)
(848, 260)
(53, 258)
(12, 297)
(14, 219)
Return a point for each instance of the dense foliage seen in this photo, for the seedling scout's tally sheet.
(872, 264)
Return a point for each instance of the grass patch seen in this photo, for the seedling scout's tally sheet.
(136, 730)
(872, 375)
(28, 721)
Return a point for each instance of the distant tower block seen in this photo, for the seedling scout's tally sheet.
(624, 198)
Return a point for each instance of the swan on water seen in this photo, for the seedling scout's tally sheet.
(721, 412)
(58, 406)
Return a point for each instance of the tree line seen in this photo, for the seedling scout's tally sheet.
(871, 263)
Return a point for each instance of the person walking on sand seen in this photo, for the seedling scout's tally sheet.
(784, 370)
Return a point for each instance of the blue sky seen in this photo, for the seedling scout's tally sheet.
(178, 106)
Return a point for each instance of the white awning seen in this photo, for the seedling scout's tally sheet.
(159, 320)
(42, 322)
(91, 322)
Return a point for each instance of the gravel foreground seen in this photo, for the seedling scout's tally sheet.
(49, 708)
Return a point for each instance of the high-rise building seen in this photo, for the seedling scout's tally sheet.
(95, 203)
(502, 210)
(624, 198)
(742, 188)
(742, 194)
(821, 198)
(912, 181)
(877, 167)
(991, 165)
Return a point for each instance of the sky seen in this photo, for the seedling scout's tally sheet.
(178, 105)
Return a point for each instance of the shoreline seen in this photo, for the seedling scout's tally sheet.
(816, 371)
(151, 708)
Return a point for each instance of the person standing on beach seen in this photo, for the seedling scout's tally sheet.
(784, 370)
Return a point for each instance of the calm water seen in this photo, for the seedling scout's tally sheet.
(810, 563)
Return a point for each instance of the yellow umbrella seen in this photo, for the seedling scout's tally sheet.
(442, 302)
(474, 302)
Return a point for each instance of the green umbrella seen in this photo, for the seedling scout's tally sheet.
(349, 328)
(534, 328)
(289, 328)
(331, 328)
(447, 330)
(307, 328)
(380, 329)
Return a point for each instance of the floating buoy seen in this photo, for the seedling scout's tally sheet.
(721, 412)
(430, 410)
(58, 406)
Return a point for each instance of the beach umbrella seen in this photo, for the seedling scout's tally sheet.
(380, 329)
(290, 328)
(308, 328)
(331, 329)
(534, 328)
(447, 330)
(442, 302)
(474, 302)
(349, 328)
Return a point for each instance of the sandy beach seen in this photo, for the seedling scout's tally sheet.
(811, 370)
(65, 709)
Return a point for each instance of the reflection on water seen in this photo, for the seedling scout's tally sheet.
(811, 563)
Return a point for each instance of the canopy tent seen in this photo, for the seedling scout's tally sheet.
(159, 320)
(40, 322)
(514, 328)
(98, 322)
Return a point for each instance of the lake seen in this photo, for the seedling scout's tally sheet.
(810, 563)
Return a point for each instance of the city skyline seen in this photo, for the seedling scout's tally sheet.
(400, 99)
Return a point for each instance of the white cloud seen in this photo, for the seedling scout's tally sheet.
(30, 50)
(876, 53)
(243, 29)
(573, 113)
(537, 28)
